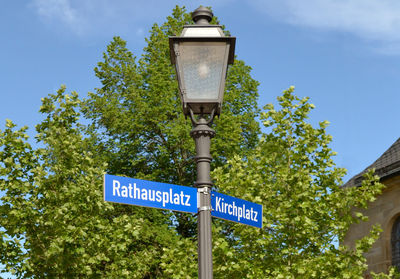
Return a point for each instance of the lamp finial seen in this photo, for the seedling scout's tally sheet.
(202, 16)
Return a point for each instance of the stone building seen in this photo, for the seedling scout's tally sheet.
(384, 211)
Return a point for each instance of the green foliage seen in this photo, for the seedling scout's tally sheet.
(54, 218)
(55, 224)
(139, 112)
(292, 173)
(138, 117)
(54, 221)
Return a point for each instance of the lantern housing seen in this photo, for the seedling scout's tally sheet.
(201, 55)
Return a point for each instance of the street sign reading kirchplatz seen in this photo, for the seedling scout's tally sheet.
(236, 210)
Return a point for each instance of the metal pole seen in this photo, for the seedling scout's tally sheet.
(202, 134)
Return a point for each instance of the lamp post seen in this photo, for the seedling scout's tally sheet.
(201, 55)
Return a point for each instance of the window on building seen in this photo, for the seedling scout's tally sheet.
(396, 243)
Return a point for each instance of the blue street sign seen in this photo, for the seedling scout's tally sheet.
(139, 192)
(236, 210)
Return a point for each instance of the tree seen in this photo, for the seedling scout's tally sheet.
(54, 218)
(54, 222)
(138, 113)
(306, 211)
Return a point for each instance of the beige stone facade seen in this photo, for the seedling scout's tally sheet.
(383, 211)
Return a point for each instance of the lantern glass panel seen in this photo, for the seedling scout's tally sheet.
(202, 66)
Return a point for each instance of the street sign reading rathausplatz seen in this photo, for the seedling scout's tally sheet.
(149, 194)
(145, 193)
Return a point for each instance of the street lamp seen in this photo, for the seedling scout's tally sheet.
(201, 56)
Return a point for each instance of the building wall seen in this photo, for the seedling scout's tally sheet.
(383, 211)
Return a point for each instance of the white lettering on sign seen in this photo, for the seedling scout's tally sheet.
(164, 197)
(240, 212)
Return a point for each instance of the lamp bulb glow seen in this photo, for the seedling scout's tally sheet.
(203, 70)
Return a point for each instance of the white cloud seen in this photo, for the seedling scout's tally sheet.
(375, 20)
(60, 10)
(89, 17)
(92, 17)
(101, 17)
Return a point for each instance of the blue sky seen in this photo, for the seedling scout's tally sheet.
(344, 55)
